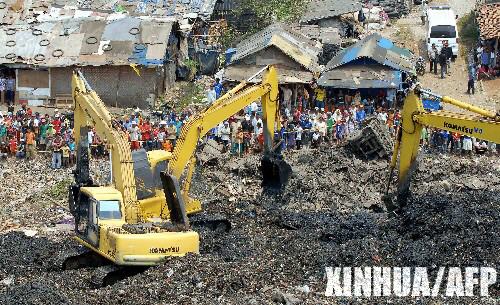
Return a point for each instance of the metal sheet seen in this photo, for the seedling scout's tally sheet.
(384, 53)
(93, 32)
(362, 76)
(292, 43)
(285, 76)
(154, 32)
(156, 51)
(119, 30)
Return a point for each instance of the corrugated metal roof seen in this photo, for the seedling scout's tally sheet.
(203, 8)
(378, 48)
(322, 9)
(116, 40)
(366, 76)
(239, 73)
(323, 34)
(300, 48)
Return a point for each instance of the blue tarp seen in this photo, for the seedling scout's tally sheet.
(430, 104)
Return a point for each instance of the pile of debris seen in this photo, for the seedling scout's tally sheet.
(394, 8)
(278, 246)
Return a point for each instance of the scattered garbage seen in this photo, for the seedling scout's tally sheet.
(279, 245)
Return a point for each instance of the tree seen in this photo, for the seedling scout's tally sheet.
(267, 12)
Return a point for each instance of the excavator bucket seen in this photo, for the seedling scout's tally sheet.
(275, 172)
(175, 200)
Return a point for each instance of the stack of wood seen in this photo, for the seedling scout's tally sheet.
(489, 19)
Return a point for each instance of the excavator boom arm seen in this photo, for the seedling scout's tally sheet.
(482, 125)
(222, 109)
(89, 110)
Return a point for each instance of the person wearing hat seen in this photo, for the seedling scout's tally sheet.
(172, 133)
(135, 134)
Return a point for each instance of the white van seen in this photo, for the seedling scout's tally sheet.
(442, 26)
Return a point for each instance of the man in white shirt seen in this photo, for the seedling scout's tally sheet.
(287, 97)
(225, 133)
(254, 107)
(134, 132)
(298, 136)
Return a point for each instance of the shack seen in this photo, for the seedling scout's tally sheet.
(488, 19)
(372, 65)
(329, 14)
(294, 55)
(127, 60)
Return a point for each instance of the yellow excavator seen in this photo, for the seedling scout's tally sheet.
(140, 217)
(480, 124)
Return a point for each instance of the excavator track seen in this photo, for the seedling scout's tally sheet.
(211, 222)
(108, 275)
(105, 273)
(88, 259)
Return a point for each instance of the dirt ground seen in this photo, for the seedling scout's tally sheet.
(409, 32)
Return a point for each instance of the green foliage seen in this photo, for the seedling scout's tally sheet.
(192, 66)
(228, 37)
(468, 30)
(269, 11)
(191, 93)
(60, 190)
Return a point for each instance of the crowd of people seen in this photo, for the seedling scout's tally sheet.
(307, 121)
(24, 133)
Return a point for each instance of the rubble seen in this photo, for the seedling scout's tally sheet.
(373, 141)
(278, 245)
(394, 8)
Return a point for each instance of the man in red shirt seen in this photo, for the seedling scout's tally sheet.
(57, 123)
(146, 134)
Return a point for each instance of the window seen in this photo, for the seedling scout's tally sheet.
(443, 31)
(109, 209)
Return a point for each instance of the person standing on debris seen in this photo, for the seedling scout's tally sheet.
(467, 145)
(21, 150)
(360, 116)
(225, 133)
(298, 136)
(30, 144)
(3, 133)
(56, 151)
(239, 141)
(319, 96)
(322, 128)
(211, 95)
(423, 14)
(433, 58)
(315, 139)
(339, 130)
(443, 62)
(472, 79)
(65, 155)
(218, 87)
